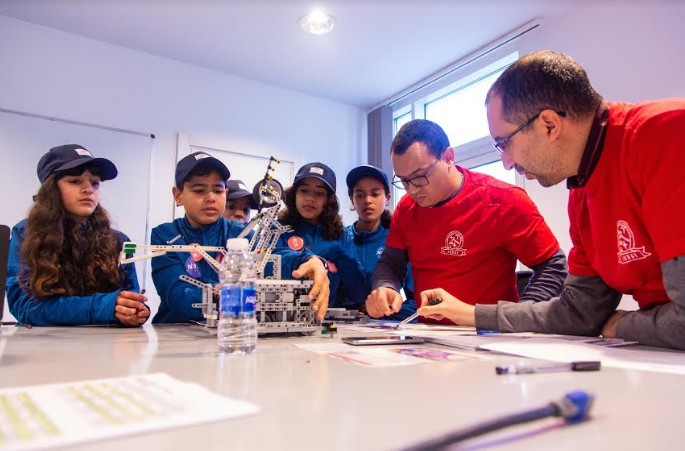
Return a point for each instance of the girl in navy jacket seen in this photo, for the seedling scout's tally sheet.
(312, 210)
(63, 266)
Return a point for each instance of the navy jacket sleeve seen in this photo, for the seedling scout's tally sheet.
(97, 308)
(290, 259)
(409, 283)
(356, 283)
(176, 296)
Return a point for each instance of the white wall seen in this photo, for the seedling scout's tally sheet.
(631, 50)
(58, 74)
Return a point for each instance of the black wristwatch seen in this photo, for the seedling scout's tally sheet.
(323, 260)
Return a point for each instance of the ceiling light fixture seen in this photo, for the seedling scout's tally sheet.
(317, 22)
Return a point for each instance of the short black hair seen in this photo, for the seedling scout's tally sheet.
(200, 170)
(423, 131)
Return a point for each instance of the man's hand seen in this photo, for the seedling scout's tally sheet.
(450, 308)
(383, 301)
(130, 308)
(313, 269)
(609, 329)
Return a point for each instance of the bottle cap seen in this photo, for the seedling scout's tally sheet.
(237, 244)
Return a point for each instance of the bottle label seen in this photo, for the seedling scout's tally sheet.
(249, 299)
(230, 301)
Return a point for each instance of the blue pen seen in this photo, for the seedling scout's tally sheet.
(486, 332)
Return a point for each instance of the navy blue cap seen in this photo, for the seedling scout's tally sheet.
(188, 163)
(237, 189)
(318, 171)
(70, 156)
(367, 171)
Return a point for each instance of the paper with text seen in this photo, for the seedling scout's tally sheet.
(42, 416)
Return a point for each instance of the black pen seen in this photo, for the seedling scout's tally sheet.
(530, 369)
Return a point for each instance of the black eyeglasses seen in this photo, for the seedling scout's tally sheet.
(501, 144)
(418, 181)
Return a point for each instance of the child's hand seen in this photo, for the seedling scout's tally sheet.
(130, 308)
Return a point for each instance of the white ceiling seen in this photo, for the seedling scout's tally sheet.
(378, 48)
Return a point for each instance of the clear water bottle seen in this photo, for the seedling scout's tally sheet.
(237, 327)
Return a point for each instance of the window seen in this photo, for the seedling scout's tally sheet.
(459, 108)
(399, 121)
(496, 169)
(461, 113)
(400, 118)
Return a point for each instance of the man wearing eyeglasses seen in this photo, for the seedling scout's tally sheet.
(623, 164)
(461, 230)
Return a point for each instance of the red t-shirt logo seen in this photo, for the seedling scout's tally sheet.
(454, 244)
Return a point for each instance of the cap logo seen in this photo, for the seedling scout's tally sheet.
(82, 152)
(200, 156)
(316, 170)
(241, 186)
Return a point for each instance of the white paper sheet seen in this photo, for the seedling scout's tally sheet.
(43, 416)
(390, 326)
(561, 350)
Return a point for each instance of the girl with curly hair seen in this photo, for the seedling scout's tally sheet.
(63, 266)
(312, 210)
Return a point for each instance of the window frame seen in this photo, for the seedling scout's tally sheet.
(471, 154)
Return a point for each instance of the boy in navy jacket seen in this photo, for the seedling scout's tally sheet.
(201, 190)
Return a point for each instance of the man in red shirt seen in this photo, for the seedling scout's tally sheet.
(623, 166)
(460, 230)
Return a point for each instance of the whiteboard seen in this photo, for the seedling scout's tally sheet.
(25, 137)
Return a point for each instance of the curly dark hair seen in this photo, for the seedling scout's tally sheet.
(330, 221)
(62, 258)
(544, 80)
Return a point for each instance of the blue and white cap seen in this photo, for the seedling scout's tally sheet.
(70, 156)
(188, 163)
(318, 171)
(367, 171)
